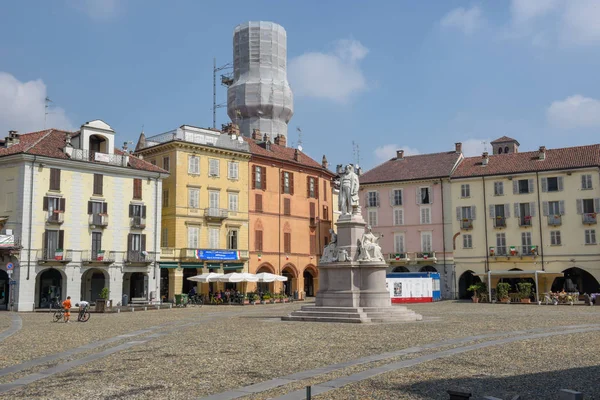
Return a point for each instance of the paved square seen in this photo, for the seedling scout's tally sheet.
(228, 352)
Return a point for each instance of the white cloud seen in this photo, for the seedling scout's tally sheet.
(475, 147)
(22, 107)
(388, 151)
(465, 20)
(580, 22)
(99, 10)
(574, 112)
(526, 10)
(335, 75)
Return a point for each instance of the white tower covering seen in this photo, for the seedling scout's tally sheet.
(260, 96)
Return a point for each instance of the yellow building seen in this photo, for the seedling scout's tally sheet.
(204, 204)
(531, 211)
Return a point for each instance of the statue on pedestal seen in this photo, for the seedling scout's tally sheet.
(348, 198)
(368, 249)
(330, 251)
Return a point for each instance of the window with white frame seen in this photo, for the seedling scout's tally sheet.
(498, 188)
(586, 182)
(233, 170)
(193, 237)
(466, 213)
(194, 198)
(372, 199)
(232, 239)
(526, 242)
(555, 239)
(213, 238)
(164, 239)
(426, 245)
(425, 215)
(213, 167)
(233, 201)
(194, 165)
(213, 199)
(467, 242)
(590, 236)
(501, 244)
(424, 195)
(397, 197)
(398, 216)
(372, 217)
(399, 243)
(465, 190)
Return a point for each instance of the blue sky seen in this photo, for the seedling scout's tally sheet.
(386, 75)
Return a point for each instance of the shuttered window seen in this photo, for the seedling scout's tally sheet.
(137, 189)
(214, 238)
(312, 211)
(258, 205)
(213, 167)
(312, 187)
(194, 165)
(287, 242)
(54, 179)
(287, 208)
(325, 213)
(287, 182)
(399, 243)
(233, 201)
(193, 198)
(165, 198)
(232, 168)
(398, 216)
(258, 240)
(313, 244)
(166, 164)
(259, 177)
(193, 237)
(98, 183)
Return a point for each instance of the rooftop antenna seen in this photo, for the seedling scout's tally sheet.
(226, 80)
(47, 102)
(299, 138)
(484, 143)
(356, 153)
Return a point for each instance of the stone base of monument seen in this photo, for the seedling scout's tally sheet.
(352, 284)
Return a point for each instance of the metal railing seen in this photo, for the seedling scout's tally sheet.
(189, 253)
(500, 222)
(590, 218)
(98, 256)
(398, 257)
(47, 255)
(55, 217)
(466, 223)
(525, 221)
(529, 250)
(138, 222)
(554, 220)
(139, 257)
(95, 156)
(98, 219)
(205, 138)
(217, 213)
(8, 242)
(425, 255)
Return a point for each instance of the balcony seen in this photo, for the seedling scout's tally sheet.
(98, 257)
(9, 244)
(139, 257)
(525, 221)
(192, 254)
(137, 222)
(55, 217)
(426, 256)
(89, 155)
(529, 251)
(500, 222)
(590, 218)
(398, 257)
(217, 214)
(54, 256)
(98, 220)
(312, 222)
(466, 223)
(498, 251)
(554, 220)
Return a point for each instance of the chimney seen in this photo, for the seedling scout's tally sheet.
(485, 158)
(256, 134)
(12, 139)
(280, 140)
(68, 139)
(324, 162)
(140, 156)
(400, 154)
(542, 154)
(297, 155)
(458, 147)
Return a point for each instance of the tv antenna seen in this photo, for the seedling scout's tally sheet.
(484, 143)
(226, 80)
(299, 138)
(47, 105)
(356, 153)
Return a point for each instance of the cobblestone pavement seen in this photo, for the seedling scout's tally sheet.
(196, 352)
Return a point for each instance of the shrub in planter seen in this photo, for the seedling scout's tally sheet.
(502, 291)
(478, 289)
(525, 291)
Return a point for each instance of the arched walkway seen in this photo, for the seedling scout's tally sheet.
(290, 272)
(466, 279)
(98, 144)
(400, 269)
(187, 284)
(135, 284)
(4, 290)
(576, 280)
(92, 282)
(50, 286)
(428, 268)
(309, 276)
(264, 286)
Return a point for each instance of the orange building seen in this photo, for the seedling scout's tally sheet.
(290, 211)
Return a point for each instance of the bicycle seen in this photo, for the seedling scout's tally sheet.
(58, 315)
(195, 301)
(84, 315)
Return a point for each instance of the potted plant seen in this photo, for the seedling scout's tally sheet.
(502, 291)
(525, 291)
(102, 301)
(266, 297)
(478, 289)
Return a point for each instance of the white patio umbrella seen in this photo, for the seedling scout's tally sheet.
(268, 277)
(235, 277)
(205, 278)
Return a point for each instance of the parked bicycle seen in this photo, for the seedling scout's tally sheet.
(58, 315)
(84, 313)
(195, 300)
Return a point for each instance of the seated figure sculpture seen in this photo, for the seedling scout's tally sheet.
(330, 251)
(369, 250)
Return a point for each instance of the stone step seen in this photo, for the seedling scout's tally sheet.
(325, 319)
(356, 309)
(328, 314)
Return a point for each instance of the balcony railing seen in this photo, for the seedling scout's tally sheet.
(55, 217)
(216, 213)
(529, 250)
(525, 221)
(100, 257)
(500, 222)
(138, 222)
(425, 256)
(398, 257)
(94, 156)
(554, 220)
(590, 218)
(9, 242)
(192, 253)
(98, 219)
(59, 255)
(139, 257)
(498, 251)
(466, 223)
(312, 222)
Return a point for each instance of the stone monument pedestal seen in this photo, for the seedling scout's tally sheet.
(353, 288)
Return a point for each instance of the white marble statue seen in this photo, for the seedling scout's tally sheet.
(330, 251)
(369, 250)
(348, 197)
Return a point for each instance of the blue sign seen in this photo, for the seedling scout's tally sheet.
(12, 282)
(9, 266)
(217, 255)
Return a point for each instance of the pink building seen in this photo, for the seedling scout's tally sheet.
(407, 201)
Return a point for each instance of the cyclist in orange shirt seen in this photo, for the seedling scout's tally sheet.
(67, 306)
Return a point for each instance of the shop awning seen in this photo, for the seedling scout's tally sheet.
(233, 266)
(168, 265)
(520, 274)
(191, 265)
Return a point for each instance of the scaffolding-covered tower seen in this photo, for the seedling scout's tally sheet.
(260, 96)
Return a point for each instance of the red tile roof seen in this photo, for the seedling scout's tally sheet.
(283, 153)
(410, 168)
(513, 163)
(504, 139)
(51, 142)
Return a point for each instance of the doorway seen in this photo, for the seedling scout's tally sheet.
(309, 288)
(4, 290)
(466, 279)
(50, 287)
